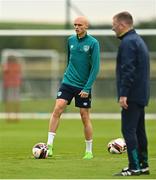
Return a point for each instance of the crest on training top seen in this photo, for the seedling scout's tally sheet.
(85, 48)
(71, 46)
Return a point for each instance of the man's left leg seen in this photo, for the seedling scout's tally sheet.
(88, 132)
(130, 119)
(142, 143)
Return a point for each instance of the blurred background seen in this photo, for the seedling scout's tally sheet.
(34, 33)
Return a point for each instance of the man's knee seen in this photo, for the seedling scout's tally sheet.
(84, 114)
(59, 108)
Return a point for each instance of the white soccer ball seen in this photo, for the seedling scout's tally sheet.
(39, 151)
(117, 146)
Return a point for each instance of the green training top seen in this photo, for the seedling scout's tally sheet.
(83, 62)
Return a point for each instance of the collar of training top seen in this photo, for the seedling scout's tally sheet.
(81, 38)
(125, 34)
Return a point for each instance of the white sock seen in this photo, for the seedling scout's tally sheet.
(89, 145)
(51, 136)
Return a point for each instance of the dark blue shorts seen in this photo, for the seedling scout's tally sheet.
(68, 92)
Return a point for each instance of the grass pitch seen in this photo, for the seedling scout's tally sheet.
(17, 140)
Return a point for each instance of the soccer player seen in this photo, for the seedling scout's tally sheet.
(80, 74)
(132, 71)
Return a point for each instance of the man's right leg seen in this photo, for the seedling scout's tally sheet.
(54, 122)
(130, 119)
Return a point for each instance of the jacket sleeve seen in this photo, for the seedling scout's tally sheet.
(127, 67)
(95, 63)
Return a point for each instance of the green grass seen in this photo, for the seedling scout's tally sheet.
(17, 140)
(107, 105)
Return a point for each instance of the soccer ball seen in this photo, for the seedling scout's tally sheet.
(117, 146)
(39, 151)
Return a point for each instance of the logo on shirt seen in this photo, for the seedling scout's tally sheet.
(71, 46)
(85, 48)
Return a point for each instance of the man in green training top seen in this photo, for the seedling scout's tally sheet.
(80, 74)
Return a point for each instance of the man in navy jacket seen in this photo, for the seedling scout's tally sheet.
(132, 71)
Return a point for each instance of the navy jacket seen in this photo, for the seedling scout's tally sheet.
(132, 69)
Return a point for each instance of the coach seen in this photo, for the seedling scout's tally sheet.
(132, 73)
